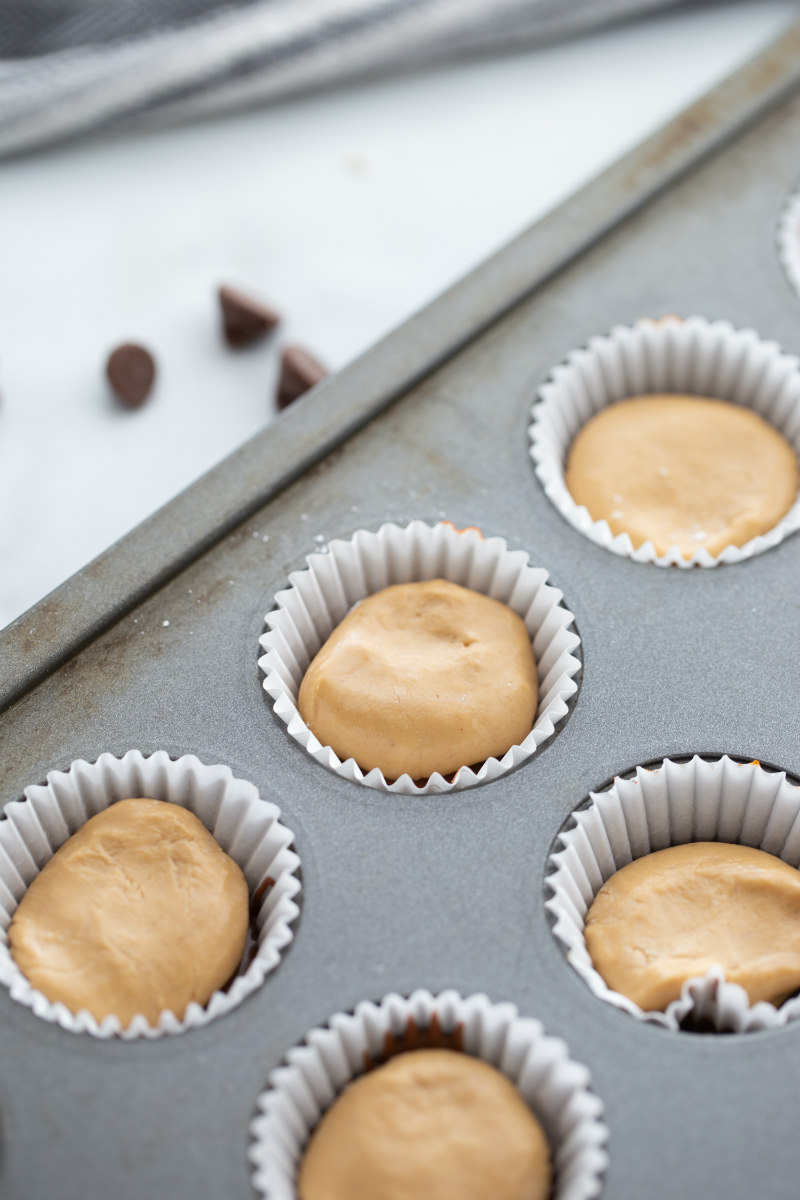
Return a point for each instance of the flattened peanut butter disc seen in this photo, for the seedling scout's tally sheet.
(432, 1124)
(423, 677)
(673, 914)
(683, 471)
(139, 912)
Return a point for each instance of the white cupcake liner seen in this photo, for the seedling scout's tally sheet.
(787, 237)
(555, 1087)
(321, 596)
(676, 803)
(696, 357)
(244, 825)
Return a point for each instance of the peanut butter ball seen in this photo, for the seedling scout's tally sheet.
(139, 912)
(685, 471)
(423, 677)
(673, 914)
(430, 1123)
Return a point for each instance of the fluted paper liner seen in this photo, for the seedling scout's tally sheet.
(695, 801)
(348, 571)
(554, 1087)
(694, 357)
(788, 240)
(244, 825)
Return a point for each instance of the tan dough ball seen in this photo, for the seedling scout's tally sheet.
(139, 912)
(671, 915)
(423, 677)
(429, 1125)
(682, 471)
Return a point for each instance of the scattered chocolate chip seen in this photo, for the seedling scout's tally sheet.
(244, 320)
(131, 371)
(299, 372)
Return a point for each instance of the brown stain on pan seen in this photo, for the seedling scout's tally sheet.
(704, 117)
(104, 661)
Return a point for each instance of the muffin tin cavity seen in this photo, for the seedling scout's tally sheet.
(694, 357)
(321, 596)
(699, 800)
(316, 1072)
(245, 826)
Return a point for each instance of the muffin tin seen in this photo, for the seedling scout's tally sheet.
(155, 646)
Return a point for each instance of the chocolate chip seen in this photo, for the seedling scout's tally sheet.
(244, 320)
(299, 372)
(131, 371)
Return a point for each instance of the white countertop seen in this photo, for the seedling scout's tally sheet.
(346, 210)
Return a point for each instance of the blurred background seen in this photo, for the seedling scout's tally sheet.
(342, 160)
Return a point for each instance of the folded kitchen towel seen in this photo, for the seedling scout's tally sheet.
(74, 66)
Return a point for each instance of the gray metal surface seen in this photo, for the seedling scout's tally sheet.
(403, 892)
(108, 588)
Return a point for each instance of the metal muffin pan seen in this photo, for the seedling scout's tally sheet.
(437, 891)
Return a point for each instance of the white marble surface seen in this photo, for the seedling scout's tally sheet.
(347, 210)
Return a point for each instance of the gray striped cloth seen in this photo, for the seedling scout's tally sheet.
(75, 66)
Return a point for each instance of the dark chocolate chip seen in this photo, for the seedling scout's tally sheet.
(299, 372)
(244, 320)
(131, 371)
